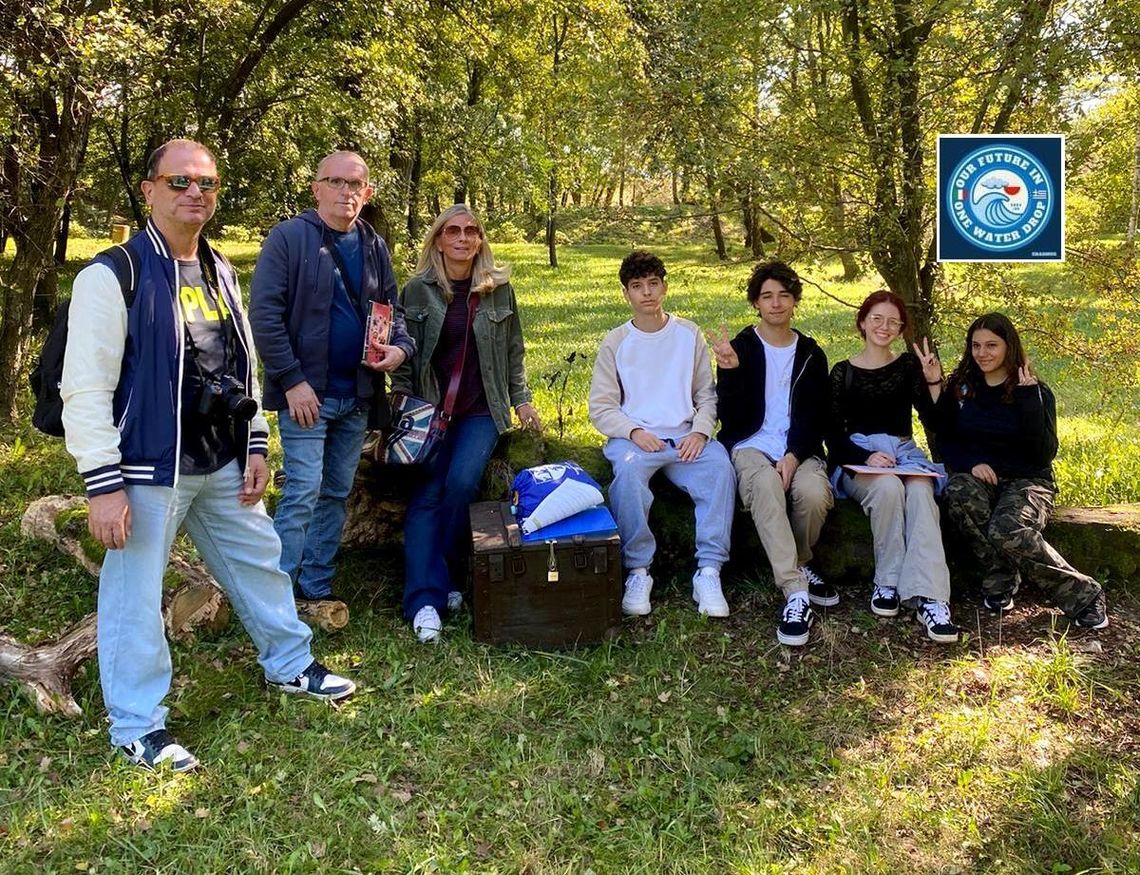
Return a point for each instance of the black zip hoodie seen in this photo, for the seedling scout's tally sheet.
(740, 394)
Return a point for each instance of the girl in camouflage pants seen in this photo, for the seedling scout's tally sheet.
(997, 433)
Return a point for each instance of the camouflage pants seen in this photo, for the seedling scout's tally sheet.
(1003, 526)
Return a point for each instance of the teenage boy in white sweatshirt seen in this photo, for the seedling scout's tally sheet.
(652, 394)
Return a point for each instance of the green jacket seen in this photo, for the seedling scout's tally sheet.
(498, 340)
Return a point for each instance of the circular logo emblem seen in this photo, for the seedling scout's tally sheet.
(1000, 198)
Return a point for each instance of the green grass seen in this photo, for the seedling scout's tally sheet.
(683, 746)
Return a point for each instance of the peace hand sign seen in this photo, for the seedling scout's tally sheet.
(1026, 377)
(928, 358)
(723, 352)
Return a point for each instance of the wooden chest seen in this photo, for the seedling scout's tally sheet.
(516, 598)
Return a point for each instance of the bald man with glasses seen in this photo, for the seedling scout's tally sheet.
(314, 285)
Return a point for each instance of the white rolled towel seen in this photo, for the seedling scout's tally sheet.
(568, 498)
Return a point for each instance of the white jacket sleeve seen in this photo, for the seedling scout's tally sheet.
(96, 339)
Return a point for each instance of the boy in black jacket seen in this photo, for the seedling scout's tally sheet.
(772, 399)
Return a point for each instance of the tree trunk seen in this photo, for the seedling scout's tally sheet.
(415, 175)
(676, 191)
(1134, 211)
(551, 227)
(839, 221)
(714, 211)
(35, 239)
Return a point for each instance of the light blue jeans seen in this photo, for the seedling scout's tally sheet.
(709, 480)
(240, 549)
(320, 464)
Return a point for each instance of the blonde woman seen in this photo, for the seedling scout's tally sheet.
(461, 311)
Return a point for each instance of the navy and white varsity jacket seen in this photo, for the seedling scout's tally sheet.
(122, 369)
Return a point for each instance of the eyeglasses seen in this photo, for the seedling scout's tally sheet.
(454, 232)
(181, 182)
(877, 321)
(355, 186)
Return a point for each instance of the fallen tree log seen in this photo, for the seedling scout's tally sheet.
(196, 603)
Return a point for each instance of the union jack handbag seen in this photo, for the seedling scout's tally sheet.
(417, 426)
(413, 433)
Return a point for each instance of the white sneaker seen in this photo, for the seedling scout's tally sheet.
(635, 602)
(707, 593)
(454, 601)
(427, 624)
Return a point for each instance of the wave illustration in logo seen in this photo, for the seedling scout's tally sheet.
(998, 209)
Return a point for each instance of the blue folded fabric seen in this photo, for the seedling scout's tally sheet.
(905, 452)
(593, 521)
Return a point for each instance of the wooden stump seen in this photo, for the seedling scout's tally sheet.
(197, 603)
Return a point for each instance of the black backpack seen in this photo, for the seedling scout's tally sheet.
(48, 371)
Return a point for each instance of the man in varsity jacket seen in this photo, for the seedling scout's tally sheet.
(159, 413)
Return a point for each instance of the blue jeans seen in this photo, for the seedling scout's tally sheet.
(437, 514)
(320, 464)
(241, 550)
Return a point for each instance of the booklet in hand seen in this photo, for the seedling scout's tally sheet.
(897, 470)
(378, 331)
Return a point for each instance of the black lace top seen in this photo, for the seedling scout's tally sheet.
(875, 401)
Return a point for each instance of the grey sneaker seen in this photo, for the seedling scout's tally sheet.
(157, 748)
(454, 601)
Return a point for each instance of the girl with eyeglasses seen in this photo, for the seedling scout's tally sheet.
(872, 396)
(997, 432)
(461, 311)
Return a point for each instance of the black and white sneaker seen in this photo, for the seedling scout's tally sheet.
(157, 748)
(1001, 602)
(820, 591)
(795, 622)
(935, 616)
(1095, 616)
(885, 601)
(318, 682)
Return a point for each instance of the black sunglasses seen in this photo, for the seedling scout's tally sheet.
(181, 182)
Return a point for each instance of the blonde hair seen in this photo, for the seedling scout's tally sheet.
(486, 275)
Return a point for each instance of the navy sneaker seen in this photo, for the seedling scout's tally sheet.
(317, 682)
(299, 595)
(885, 601)
(157, 748)
(935, 616)
(795, 622)
(820, 592)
